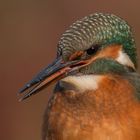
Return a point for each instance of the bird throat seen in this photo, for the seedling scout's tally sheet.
(97, 92)
(81, 83)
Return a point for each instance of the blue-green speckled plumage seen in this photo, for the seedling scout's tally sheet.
(101, 29)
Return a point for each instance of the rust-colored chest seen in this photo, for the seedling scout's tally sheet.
(111, 112)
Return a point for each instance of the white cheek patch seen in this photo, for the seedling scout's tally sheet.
(84, 82)
(124, 59)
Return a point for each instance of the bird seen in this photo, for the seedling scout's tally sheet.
(97, 86)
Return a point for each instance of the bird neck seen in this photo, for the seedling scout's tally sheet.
(107, 96)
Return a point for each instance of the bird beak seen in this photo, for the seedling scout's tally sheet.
(54, 72)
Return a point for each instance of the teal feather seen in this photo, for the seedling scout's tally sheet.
(101, 29)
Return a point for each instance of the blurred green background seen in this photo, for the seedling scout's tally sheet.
(29, 32)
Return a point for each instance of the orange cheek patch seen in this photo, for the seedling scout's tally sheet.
(76, 55)
(111, 51)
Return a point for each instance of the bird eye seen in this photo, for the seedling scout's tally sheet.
(93, 49)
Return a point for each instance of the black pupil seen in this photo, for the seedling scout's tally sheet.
(93, 49)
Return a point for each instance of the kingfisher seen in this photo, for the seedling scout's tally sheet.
(97, 91)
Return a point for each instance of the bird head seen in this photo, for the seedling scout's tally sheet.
(98, 43)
